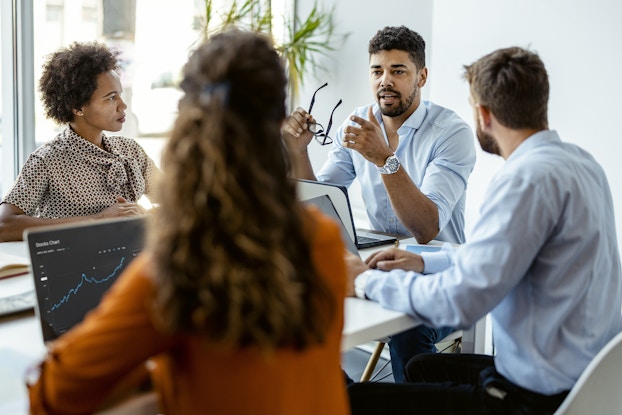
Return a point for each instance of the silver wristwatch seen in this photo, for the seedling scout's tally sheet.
(391, 165)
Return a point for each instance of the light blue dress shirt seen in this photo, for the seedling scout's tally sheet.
(543, 260)
(437, 150)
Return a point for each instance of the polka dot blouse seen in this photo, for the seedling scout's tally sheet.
(70, 176)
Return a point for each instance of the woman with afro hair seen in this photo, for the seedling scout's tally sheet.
(82, 173)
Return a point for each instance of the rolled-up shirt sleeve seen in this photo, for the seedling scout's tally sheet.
(447, 173)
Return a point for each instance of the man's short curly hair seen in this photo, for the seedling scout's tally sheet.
(70, 77)
(400, 38)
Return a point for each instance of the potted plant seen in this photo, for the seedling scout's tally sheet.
(299, 41)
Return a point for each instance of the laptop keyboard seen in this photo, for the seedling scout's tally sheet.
(364, 240)
(367, 240)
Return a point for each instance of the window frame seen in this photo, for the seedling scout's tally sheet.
(18, 122)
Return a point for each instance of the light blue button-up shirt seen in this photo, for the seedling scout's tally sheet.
(543, 260)
(437, 150)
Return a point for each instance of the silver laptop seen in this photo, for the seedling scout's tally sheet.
(325, 205)
(338, 194)
(73, 265)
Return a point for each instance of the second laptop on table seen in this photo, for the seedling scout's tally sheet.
(74, 264)
(338, 195)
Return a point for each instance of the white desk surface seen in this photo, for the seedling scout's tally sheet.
(15, 248)
(21, 343)
(366, 321)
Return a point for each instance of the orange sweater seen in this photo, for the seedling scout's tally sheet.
(191, 377)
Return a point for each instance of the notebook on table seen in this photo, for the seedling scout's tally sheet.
(338, 194)
(73, 265)
(12, 265)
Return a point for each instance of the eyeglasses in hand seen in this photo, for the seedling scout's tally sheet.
(317, 129)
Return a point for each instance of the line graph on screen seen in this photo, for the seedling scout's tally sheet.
(85, 279)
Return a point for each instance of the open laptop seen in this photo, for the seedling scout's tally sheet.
(74, 264)
(338, 194)
(325, 205)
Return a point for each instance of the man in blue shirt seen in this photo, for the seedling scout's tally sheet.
(411, 157)
(543, 259)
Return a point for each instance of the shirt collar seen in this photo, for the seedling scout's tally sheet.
(416, 118)
(412, 123)
(77, 141)
(71, 135)
(533, 141)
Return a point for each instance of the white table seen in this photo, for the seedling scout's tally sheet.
(366, 321)
(15, 248)
(21, 343)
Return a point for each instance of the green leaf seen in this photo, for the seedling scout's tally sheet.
(305, 40)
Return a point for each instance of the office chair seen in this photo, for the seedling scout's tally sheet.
(597, 392)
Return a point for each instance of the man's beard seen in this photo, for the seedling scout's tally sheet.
(488, 144)
(401, 107)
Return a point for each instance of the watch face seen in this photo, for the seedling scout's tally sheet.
(392, 164)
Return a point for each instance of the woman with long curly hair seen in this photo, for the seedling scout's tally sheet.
(82, 173)
(238, 299)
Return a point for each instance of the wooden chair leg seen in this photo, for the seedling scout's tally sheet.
(371, 363)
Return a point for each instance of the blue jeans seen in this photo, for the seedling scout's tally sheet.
(406, 345)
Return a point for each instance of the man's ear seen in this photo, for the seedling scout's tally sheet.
(423, 77)
(483, 115)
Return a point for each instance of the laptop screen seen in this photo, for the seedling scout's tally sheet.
(73, 265)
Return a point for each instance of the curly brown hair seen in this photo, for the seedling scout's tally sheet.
(70, 77)
(230, 239)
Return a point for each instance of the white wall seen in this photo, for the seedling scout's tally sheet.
(578, 40)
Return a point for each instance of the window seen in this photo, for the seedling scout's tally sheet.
(1, 101)
(155, 38)
(1, 93)
(17, 99)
